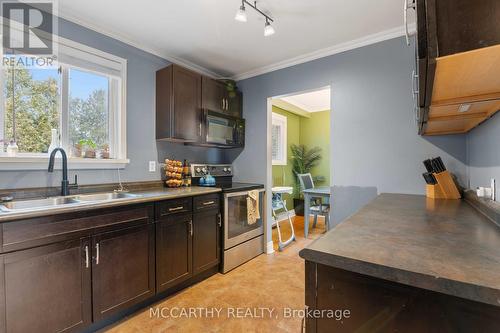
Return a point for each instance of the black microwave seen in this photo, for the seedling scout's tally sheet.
(223, 130)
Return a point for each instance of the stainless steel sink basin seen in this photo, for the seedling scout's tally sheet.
(37, 204)
(106, 196)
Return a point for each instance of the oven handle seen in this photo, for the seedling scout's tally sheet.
(237, 194)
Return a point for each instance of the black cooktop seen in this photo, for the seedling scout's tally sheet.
(237, 187)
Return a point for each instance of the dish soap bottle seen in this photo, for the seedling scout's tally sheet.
(54, 142)
(12, 148)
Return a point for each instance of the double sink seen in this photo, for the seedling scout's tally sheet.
(58, 202)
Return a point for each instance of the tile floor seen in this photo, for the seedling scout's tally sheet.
(274, 281)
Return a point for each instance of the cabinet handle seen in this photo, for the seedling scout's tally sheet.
(86, 256)
(206, 203)
(219, 217)
(199, 129)
(97, 254)
(414, 89)
(405, 18)
(175, 209)
(225, 103)
(190, 223)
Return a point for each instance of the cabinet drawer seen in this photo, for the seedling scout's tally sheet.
(23, 234)
(175, 206)
(205, 202)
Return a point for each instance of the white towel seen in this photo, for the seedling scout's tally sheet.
(253, 213)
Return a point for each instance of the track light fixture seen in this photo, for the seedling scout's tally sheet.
(241, 16)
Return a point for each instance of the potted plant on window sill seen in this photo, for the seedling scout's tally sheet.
(88, 147)
(104, 151)
(303, 161)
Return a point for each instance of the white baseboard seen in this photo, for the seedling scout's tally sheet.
(270, 247)
(283, 216)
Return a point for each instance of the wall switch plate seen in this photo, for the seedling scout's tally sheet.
(152, 166)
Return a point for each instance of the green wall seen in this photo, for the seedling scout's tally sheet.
(313, 131)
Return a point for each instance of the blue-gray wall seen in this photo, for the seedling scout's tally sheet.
(375, 146)
(483, 154)
(141, 144)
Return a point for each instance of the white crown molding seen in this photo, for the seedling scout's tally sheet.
(339, 48)
(157, 52)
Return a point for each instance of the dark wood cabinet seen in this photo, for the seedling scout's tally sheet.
(212, 95)
(123, 271)
(65, 272)
(457, 45)
(376, 305)
(46, 289)
(178, 104)
(206, 239)
(235, 104)
(174, 239)
(216, 97)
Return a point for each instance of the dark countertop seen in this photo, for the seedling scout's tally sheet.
(149, 195)
(441, 245)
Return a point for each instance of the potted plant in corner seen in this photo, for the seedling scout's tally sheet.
(303, 160)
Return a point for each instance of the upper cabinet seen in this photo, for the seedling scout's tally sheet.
(178, 105)
(456, 84)
(216, 97)
(183, 96)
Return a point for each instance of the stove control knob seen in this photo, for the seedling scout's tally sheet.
(225, 170)
(204, 170)
(228, 169)
(198, 170)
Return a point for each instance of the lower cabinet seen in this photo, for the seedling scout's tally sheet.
(47, 288)
(123, 271)
(64, 282)
(173, 250)
(206, 240)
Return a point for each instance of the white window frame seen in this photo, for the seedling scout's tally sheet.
(279, 120)
(113, 67)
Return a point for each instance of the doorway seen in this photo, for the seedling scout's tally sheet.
(299, 137)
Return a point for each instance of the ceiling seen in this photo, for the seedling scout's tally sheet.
(202, 34)
(313, 101)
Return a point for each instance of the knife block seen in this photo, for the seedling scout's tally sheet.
(445, 187)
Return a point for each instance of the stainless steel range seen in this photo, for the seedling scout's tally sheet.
(242, 241)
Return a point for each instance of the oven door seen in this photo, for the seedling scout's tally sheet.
(236, 227)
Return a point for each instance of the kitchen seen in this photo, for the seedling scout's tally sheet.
(163, 105)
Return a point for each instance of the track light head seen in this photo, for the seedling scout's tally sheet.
(241, 15)
(268, 29)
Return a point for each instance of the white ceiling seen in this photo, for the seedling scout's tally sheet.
(313, 101)
(203, 34)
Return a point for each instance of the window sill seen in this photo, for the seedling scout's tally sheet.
(20, 163)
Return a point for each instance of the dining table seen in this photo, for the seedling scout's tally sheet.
(320, 192)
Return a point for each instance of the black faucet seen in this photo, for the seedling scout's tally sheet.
(65, 185)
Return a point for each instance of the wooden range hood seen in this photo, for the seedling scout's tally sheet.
(466, 91)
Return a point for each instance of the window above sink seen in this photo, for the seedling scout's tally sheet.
(83, 99)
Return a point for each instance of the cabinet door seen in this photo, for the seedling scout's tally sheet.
(47, 288)
(122, 269)
(206, 240)
(234, 103)
(212, 94)
(173, 250)
(186, 104)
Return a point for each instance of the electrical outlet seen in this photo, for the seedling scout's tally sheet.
(152, 166)
(493, 189)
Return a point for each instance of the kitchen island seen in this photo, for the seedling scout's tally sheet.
(407, 263)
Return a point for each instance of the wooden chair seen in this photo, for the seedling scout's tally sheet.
(318, 208)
